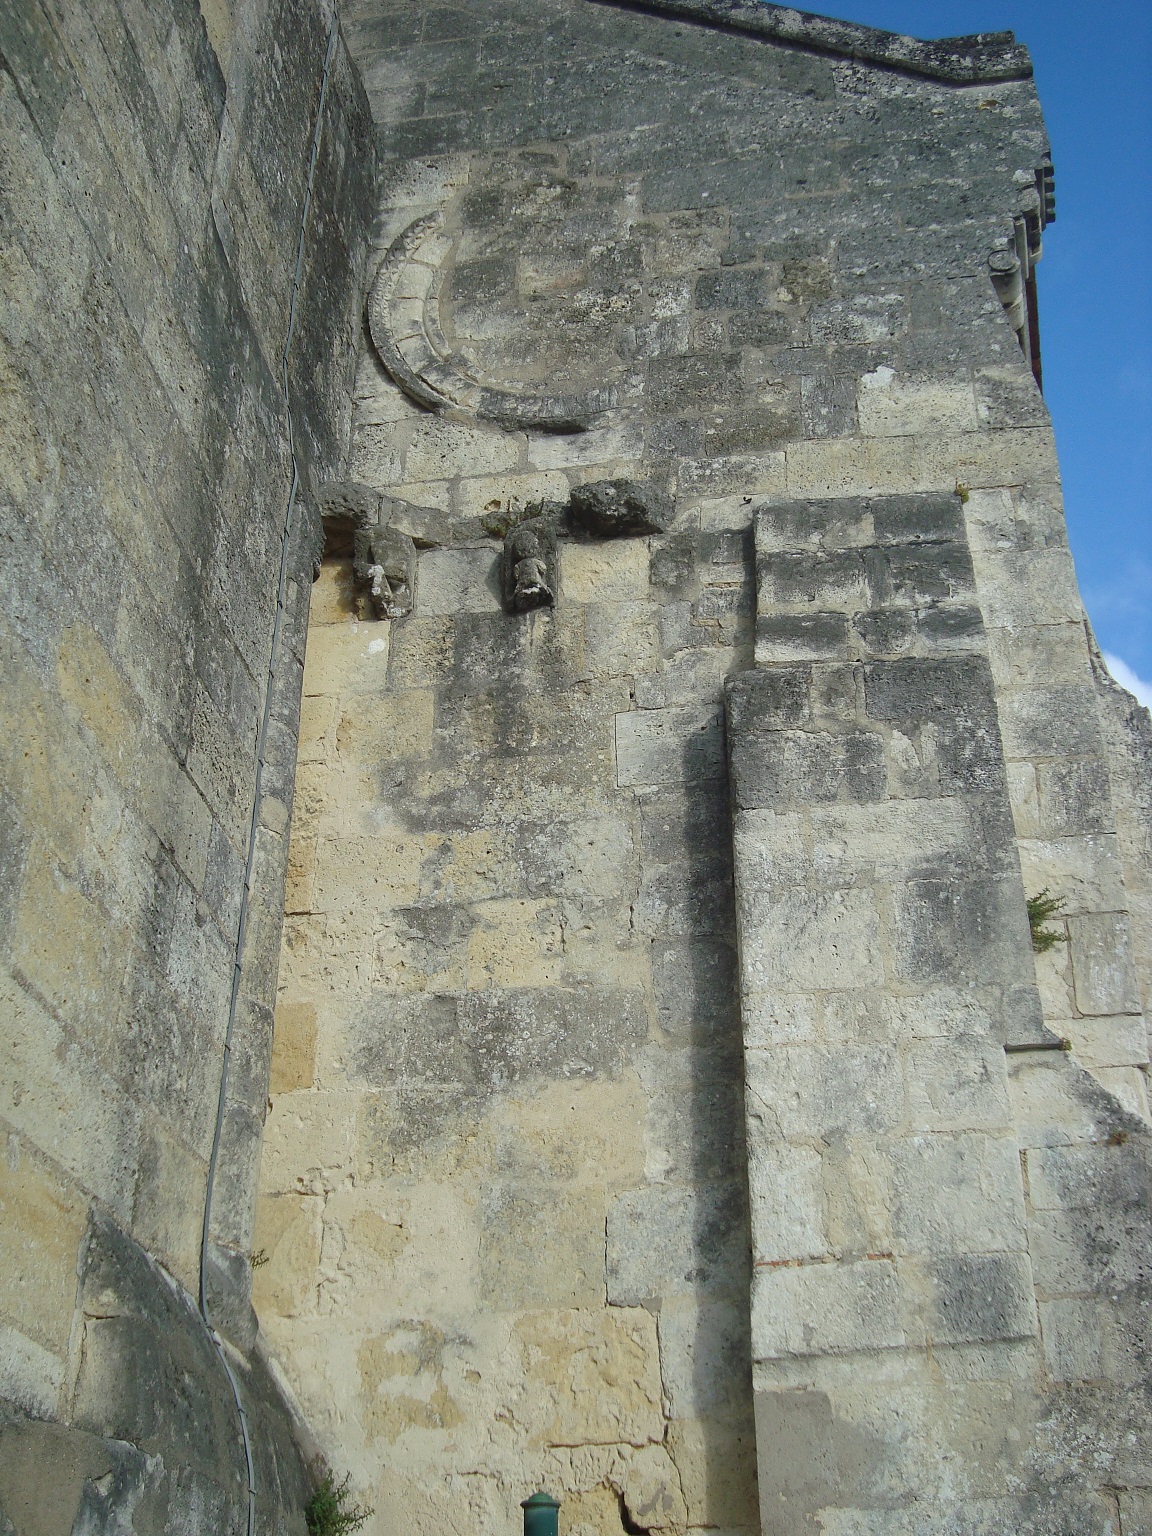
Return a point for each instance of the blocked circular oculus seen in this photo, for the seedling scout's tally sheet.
(403, 321)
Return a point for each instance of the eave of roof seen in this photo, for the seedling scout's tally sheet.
(982, 59)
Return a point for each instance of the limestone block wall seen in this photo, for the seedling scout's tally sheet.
(503, 1182)
(885, 966)
(1069, 782)
(152, 194)
(743, 257)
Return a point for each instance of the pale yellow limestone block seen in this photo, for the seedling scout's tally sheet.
(1049, 1107)
(402, 1385)
(515, 944)
(716, 1459)
(368, 874)
(468, 866)
(652, 1490)
(407, 963)
(990, 520)
(1106, 1042)
(317, 714)
(435, 1270)
(42, 1222)
(89, 681)
(926, 462)
(601, 948)
(1084, 871)
(366, 1233)
(79, 978)
(293, 1046)
(850, 466)
(287, 1236)
(1058, 653)
(1054, 980)
(612, 571)
(1032, 588)
(421, 1502)
(397, 725)
(301, 873)
(376, 457)
(1024, 798)
(566, 1129)
(542, 1245)
(425, 493)
(308, 1142)
(347, 658)
(378, 400)
(888, 406)
(590, 1512)
(1014, 457)
(621, 639)
(591, 1376)
(421, 650)
(481, 495)
(333, 598)
(441, 449)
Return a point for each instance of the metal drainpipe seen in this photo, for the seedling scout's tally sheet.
(257, 799)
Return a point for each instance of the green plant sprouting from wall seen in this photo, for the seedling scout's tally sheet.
(330, 1511)
(1041, 907)
(502, 519)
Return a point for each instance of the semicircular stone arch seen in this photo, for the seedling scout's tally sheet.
(405, 321)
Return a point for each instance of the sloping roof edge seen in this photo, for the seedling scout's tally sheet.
(981, 59)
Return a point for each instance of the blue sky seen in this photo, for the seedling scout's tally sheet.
(1094, 72)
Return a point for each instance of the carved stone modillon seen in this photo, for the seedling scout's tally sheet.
(528, 567)
(384, 564)
(383, 557)
(611, 509)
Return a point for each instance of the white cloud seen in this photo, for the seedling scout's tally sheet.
(1125, 676)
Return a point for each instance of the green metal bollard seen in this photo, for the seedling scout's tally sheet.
(541, 1515)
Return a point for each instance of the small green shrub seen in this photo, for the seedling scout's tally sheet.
(330, 1512)
(1040, 908)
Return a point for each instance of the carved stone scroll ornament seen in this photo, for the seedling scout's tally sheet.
(404, 323)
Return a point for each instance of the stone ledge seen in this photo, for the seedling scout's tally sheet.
(980, 59)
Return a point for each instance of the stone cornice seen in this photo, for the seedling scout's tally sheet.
(982, 59)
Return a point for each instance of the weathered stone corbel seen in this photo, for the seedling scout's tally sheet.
(612, 509)
(383, 557)
(605, 509)
(384, 564)
(528, 566)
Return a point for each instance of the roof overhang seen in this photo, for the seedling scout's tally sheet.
(982, 59)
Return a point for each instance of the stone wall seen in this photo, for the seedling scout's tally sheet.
(601, 1009)
(503, 1204)
(152, 196)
